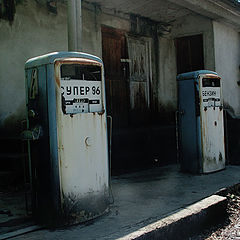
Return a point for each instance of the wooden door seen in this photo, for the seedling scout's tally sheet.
(190, 53)
(139, 76)
(114, 53)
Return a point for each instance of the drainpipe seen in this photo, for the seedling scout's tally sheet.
(75, 25)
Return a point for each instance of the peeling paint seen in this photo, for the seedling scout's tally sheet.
(78, 208)
(85, 156)
(213, 141)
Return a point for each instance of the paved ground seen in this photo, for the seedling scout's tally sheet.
(143, 198)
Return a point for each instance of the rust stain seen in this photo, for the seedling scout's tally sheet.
(77, 209)
(57, 73)
(140, 102)
(220, 157)
(102, 112)
(210, 75)
(142, 68)
(81, 61)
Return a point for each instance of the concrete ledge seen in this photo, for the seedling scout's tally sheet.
(185, 222)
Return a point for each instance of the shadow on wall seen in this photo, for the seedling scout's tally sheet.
(14, 124)
(8, 7)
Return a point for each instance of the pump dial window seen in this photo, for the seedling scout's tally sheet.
(211, 82)
(81, 87)
(80, 72)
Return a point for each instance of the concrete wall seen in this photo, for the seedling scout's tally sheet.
(33, 32)
(91, 35)
(113, 21)
(227, 61)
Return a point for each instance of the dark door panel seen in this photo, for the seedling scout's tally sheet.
(190, 53)
(117, 86)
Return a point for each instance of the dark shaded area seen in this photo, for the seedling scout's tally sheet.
(11, 156)
(232, 129)
(8, 9)
(52, 6)
(139, 148)
(14, 187)
(189, 53)
(143, 133)
(81, 72)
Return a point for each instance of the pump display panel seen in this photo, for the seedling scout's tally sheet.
(211, 92)
(81, 87)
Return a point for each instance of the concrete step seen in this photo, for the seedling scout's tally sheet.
(184, 223)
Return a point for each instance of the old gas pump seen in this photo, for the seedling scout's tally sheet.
(201, 125)
(67, 136)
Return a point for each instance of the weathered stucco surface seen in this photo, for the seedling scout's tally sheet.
(227, 61)
(91, 27)
(33, 32)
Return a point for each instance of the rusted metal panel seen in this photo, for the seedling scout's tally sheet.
(70, 167)
(188, 128)
(212, 128)
(202, 146)
(82, 146)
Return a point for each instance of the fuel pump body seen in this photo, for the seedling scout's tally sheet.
(69, 150)
(201, 123)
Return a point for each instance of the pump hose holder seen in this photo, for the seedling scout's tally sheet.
(33, 134)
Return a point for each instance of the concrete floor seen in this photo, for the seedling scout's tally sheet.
(14, 204)
(143, 198)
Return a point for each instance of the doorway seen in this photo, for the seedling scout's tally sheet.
(190, 55)
(138, 142)
(114, 53)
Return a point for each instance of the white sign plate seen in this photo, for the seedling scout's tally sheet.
(81, 96)
(211, 96)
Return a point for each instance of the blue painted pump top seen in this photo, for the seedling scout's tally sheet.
(51, 57)
(193, 75)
